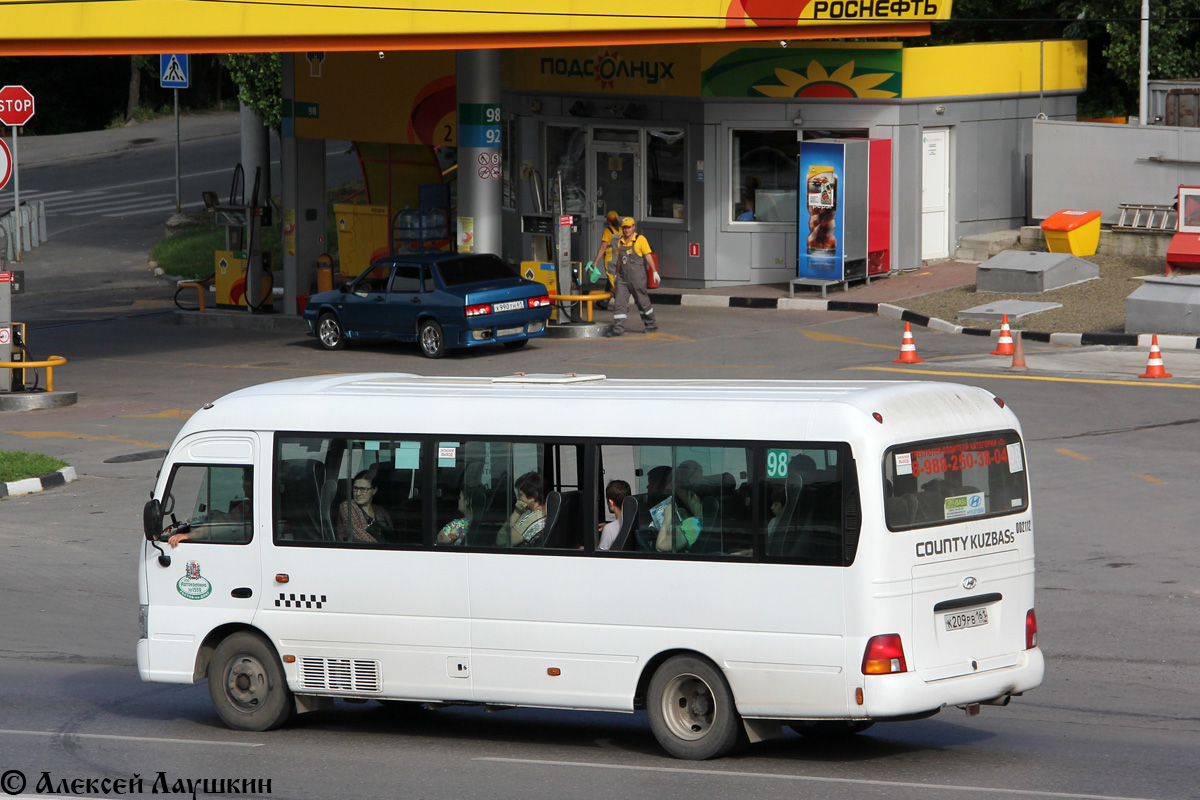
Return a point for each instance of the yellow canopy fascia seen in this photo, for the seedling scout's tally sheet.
(34, 27)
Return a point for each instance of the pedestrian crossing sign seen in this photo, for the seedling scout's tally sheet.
(173, 70)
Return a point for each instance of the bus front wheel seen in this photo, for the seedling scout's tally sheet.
(246, 684)
(691, 709)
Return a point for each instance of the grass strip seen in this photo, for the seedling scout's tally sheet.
(17, 466)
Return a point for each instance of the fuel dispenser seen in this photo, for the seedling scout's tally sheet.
(553, 265)
(12, 334)
(242, 270)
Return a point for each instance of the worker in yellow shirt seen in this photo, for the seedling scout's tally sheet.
(612, 228)
(629, 255)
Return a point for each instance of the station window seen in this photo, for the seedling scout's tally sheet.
(764, 181)
(665, 170)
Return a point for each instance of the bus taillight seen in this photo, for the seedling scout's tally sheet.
(1030, 630)
(884, 655)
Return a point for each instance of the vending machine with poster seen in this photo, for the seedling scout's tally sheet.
(845, 213)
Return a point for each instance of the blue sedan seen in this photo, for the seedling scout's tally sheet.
(438, 300)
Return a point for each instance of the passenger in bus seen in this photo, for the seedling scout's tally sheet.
(455, 531)
(359, 519)
(526, 526)
(676, 521)
(223, 526)
(614, 495)
(778, 504)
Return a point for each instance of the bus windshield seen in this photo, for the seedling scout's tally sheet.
(951, 480)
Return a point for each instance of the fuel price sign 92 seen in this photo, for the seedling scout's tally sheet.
(479, 125)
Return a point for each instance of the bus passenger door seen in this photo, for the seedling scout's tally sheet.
(214, 573)
(362, 615)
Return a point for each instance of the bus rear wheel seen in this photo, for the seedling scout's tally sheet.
(691, 709)
(246, 684)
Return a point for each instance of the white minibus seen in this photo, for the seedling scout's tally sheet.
(819, 555)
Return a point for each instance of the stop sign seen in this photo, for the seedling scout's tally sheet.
(16, 105)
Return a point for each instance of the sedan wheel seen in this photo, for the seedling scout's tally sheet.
(431, 338)
(330, 333)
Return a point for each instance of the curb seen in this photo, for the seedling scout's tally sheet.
(30, 485)
(1165, 341)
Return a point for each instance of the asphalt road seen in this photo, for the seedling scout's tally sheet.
(1111, 460)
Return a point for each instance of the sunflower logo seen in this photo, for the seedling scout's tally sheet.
(606, 69)
(817, 82)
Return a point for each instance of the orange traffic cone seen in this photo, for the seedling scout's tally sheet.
(908, 349)
(1018, 364)
(1005, 346)
(1154, 368)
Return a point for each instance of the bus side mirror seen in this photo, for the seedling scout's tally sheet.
(152, 519)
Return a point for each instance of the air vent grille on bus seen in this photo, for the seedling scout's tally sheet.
(339, 674)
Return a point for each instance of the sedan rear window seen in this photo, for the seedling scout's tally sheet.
(473, 269)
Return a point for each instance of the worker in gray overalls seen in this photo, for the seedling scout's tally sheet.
(630, 252)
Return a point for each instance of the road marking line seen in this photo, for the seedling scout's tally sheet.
(52, 734)
(1150, 478)
(1073, 454)
(675, 366)
(70, 435)
(170, 413)
(818, 336)
(1028, 377)
(807, 778)
(225, 366)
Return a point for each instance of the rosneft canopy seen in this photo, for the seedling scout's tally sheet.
(35, 27)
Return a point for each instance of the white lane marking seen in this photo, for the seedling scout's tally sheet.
(159, 208)
(152, 739)
(711, 773)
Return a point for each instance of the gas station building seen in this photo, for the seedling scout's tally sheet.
(688, 116)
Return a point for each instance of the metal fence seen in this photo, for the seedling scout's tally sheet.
(31, 218)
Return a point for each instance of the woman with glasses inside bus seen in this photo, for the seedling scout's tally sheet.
(359, 519)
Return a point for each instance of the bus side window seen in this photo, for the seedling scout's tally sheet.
(804, 491)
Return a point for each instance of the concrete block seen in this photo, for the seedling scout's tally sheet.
(1026, 272)
(1013, 309)
(1165, 305)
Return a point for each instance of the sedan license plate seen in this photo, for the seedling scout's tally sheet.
(509, 331)
(510, 305)
(966, 619)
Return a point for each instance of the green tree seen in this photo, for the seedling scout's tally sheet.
(1113, 33)
(1174, 39)
(259, 77)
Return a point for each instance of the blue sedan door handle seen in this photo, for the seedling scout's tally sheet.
(414, 299)
(378, 299)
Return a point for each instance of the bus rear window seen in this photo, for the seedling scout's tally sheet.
(953, 480)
